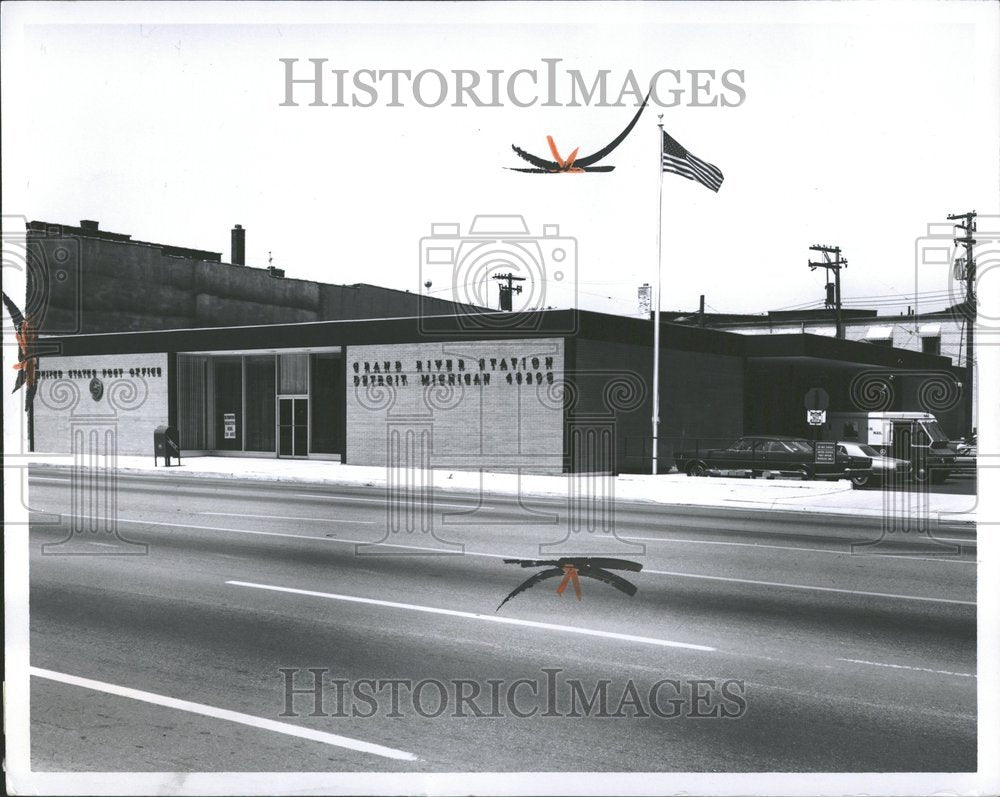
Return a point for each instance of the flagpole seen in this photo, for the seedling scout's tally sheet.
(656, 311)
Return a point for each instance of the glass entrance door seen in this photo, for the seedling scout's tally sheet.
(293, 427)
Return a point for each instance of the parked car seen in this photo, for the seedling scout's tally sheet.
(774, 454)
(884, 468)
(965, 455)
(913, 436)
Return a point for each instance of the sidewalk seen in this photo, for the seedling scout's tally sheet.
(673, 489)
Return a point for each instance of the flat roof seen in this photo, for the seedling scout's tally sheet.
(782, 346)
(573, 324)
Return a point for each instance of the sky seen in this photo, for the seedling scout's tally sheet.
(861, 124)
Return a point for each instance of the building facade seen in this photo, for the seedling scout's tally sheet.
(558, 391)
(939, 333)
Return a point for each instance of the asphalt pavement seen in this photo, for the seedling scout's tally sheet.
(781, 642)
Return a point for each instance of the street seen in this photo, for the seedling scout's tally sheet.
(836, 658)
(960, 482)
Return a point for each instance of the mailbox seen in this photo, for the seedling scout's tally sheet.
(166, 444)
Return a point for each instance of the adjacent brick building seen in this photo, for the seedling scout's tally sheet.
(89, 280)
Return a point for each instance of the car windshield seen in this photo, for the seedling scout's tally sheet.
(934, 431)
(868, 451)
(798, 446)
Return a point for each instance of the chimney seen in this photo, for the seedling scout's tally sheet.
(239, 245)
(87, 224)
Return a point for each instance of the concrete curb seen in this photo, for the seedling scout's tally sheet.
(791, 496)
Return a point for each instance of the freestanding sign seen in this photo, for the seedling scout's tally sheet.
(826, 453)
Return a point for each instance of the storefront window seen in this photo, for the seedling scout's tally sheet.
(326, 377)
(285, 404)
(260, 403)
(294, 374)
(228, 404)
(191, 409)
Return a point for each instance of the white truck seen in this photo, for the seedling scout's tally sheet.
(913, 436)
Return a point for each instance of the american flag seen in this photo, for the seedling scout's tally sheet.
(678, 160)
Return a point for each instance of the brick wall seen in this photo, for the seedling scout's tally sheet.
(125, 403)
(614, 380)
(701, 398)
(457, 404)
(106, 284)
(776, 393)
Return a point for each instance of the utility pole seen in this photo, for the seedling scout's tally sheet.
(701, 311)
(835, 265)
(968, 242)
(507, 291)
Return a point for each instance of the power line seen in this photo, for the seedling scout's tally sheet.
(873, 299)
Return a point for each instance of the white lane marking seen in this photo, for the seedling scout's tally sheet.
(817, 589)
(287, 517)
(224, 714)
(478, 507)
(471, 616)
(379, 500)
(906, 667)
(67, 480)
(311, 537)
(512, 556)
(808, 550)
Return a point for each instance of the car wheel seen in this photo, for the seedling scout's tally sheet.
(697, 469)
(920, 474)
(806, 473)
(861, 480)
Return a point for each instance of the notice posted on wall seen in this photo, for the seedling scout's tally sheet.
(229, 425)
